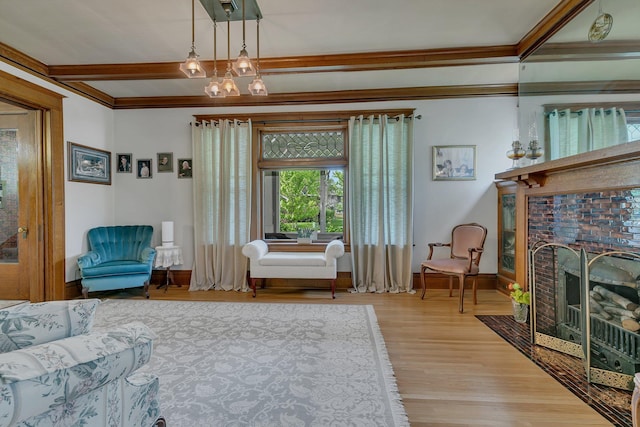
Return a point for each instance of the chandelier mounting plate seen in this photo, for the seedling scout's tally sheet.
(217, 12)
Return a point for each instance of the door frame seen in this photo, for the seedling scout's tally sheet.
(47, 281)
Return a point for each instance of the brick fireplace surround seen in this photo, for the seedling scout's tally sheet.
(590, 201)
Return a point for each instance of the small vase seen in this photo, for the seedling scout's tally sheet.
(520, 311)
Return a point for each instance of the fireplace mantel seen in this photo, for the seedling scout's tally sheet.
(535, 175)
(608, 169)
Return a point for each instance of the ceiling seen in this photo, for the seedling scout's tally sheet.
(125, 53)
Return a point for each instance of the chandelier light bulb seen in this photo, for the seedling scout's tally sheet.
(229, 86)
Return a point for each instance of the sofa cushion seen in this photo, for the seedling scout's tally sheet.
(26, 325)
(116, 268)
(294, 259)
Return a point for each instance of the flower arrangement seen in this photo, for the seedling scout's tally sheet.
(518, 295)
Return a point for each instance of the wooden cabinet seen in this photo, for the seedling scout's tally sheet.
(506, 234)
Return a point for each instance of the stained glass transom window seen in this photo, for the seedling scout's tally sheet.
(303, 145)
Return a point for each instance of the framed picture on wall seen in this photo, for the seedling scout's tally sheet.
(88, 164)
(124, 163)
(454, 162)
(184, 168)
(144, 168)
(165, 162)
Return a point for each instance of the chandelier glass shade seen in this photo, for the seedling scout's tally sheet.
(191, 67)
(243, 65)
(257, 86)
(214, 88)
(229, 86)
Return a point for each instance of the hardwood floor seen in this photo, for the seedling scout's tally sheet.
(451, 369)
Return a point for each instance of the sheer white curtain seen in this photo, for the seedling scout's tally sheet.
(608, 127)
(574, 132)
(222, 203)
(381, 202)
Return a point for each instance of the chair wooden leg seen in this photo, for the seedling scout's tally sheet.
(461, 301)
(475, 294)
(450, 286)
(423, 280)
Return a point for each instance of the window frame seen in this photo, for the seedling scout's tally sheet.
(261, 165)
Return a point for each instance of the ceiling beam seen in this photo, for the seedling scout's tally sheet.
(299, 64)
(559, 16)
(336, 97)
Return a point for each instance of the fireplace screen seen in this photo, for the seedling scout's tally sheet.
(588, 305)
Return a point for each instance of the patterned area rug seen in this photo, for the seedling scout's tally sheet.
(257, 364)
(614, 404)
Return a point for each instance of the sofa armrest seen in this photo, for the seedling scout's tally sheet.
(90, 259)
(255, 249)
(147, 256)
(333, 251)
(35, 379)
(25, 325)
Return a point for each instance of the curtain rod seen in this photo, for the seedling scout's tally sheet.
(327, 120)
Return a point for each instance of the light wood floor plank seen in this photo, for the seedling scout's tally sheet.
(451, 369)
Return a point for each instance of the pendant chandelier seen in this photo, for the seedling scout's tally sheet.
(192, 67)
(243, 66)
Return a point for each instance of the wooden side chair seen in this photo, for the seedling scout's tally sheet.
(465, 250)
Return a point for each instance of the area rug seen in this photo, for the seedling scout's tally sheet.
(612, 403)
(263, 365)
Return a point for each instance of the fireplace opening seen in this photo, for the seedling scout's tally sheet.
(615, 311)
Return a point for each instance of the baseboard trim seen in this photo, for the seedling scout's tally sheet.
(183, 277)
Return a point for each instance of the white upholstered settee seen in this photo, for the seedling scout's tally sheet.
(56, 371)
(292, 265)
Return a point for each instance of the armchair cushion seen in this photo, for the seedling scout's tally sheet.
(26, 325)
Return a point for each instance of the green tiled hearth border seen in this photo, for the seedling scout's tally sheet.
(612, 403)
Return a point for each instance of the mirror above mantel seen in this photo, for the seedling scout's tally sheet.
(576, 95)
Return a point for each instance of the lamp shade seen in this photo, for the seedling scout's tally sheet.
(167, 233)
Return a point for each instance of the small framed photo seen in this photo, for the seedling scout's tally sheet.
(124, 163)
(88, 164)
(184, 168)
(144, 168)
(165, 162)
(454, 162)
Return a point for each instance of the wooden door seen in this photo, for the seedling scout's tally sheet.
(19, 216)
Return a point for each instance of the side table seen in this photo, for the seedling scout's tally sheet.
(166, 256)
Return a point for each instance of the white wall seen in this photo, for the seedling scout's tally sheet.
(484, 122)
(439, 205)
(87, 205)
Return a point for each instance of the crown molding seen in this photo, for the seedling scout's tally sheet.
(580, 88)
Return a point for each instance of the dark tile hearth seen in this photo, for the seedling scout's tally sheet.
(612, 403)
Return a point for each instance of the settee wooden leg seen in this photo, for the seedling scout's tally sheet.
(252, 281)
(333, 288)
(146, 289)
(85, 292)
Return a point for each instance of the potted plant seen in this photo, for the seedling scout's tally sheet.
(520, 301)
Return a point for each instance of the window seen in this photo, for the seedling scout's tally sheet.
(303, 175)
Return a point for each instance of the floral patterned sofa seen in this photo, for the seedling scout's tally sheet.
(56, 371)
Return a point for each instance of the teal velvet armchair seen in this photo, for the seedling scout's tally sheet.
(120, 257)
